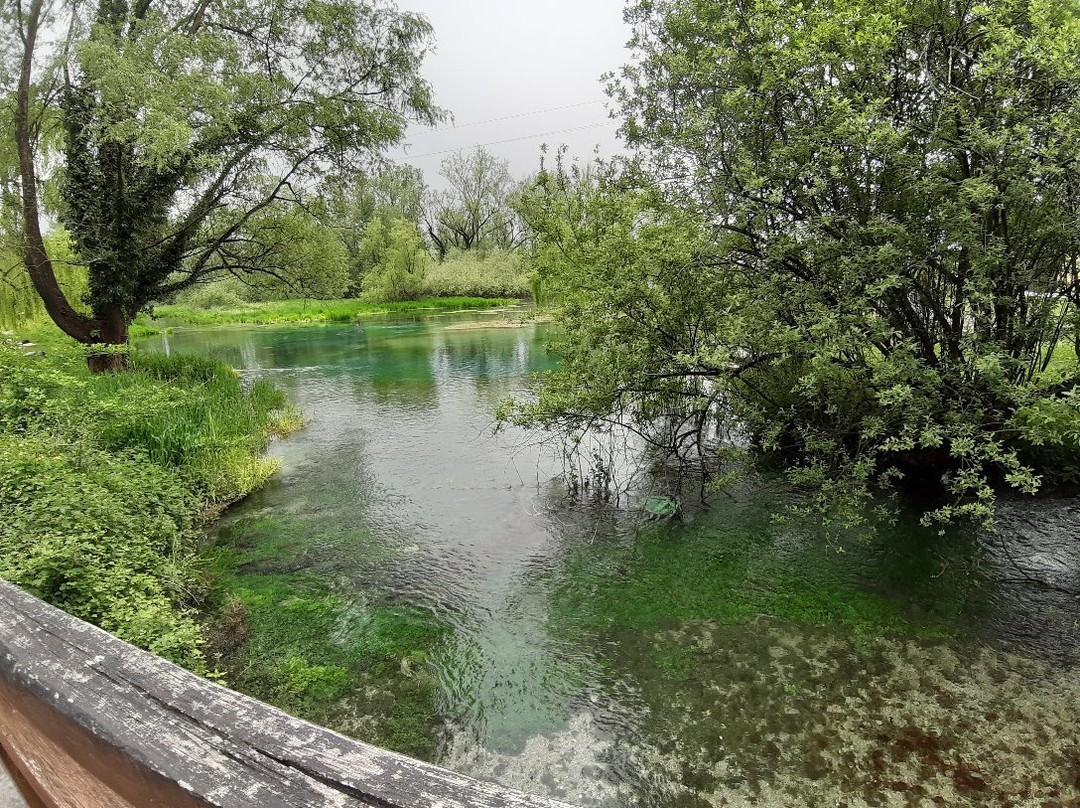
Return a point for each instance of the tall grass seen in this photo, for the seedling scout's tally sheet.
(105, 480)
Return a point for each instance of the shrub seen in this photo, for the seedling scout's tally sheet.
(495, 274)
(218, 295)
(1049, 437)
(104, 480)
(396, 261)
(104, 536)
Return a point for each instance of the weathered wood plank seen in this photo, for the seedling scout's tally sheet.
(52, 776)
(156, 734)
(13, 786)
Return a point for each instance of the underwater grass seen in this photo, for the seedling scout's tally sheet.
(293, 631)
(337, 661)
(669, 574)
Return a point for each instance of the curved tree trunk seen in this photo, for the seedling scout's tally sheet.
(87, 330)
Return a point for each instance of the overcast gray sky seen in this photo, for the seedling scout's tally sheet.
(516, 74)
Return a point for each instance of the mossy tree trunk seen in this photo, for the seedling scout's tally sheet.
(114, 332)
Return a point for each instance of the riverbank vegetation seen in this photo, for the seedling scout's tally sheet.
(173, 171)
(859, 259)
(176, 183)
(315, 311)
(109, 487)
(498, 273)
(107, 480)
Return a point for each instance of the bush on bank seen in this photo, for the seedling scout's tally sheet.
(494, 274)
(105, 480)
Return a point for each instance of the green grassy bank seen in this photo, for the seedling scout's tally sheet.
(108, 484)
(314, 311)
(106, 481)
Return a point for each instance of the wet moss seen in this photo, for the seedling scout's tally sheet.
(665, 575)
(324, 655)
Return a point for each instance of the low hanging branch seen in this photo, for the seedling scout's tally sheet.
(166, 162)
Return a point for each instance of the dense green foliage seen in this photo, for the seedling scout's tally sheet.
(103, 537)
(492, 274)
(393, 261)
(196, 134)
(470, 226)
(104, 481)
(368, 243)
(308, 259)
(636, 307)
(852, 234)
(393, 193)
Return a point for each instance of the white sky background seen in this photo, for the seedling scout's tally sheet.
(533, 64)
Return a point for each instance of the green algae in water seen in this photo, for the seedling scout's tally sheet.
(769, 668)
(743, 565)
(319, 650)
(357, 667)
(882, 722)
(576, 652)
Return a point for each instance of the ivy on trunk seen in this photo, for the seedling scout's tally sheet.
(190, 126)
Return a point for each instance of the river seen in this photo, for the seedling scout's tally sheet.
(733, 657)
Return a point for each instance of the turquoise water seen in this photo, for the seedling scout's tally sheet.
(731, 657)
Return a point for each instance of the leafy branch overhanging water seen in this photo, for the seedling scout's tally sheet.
(850, 231)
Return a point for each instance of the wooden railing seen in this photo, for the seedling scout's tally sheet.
(88, 721)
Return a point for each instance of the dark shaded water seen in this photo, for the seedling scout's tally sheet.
(727, 659)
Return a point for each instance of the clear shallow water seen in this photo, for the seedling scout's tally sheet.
(726, 659)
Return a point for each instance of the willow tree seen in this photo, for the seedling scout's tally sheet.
(891, 207)
(394, 192)
(186, 122)
(474, 210)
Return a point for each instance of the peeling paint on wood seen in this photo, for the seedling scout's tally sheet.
(152, 734)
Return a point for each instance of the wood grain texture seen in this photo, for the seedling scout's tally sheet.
(157, 735)
(53, 777)
(15, 791)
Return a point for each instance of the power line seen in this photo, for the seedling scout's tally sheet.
(510, 140)
(515, 115)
